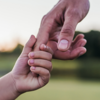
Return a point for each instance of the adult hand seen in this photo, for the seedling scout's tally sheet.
(66, 14)
(76, 48)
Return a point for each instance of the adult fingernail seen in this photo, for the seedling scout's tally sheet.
(31, 61)
(81, 53)
(63, 44)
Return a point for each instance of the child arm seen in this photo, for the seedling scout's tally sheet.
(21, 79)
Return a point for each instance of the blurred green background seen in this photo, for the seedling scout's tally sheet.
(70, 79)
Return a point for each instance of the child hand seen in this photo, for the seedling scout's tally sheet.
(25, 80)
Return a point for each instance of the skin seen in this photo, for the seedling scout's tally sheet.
(66, 14)
(24, 78)
(76, 49)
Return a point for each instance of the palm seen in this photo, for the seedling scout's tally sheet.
(26, 79)
(73, 52)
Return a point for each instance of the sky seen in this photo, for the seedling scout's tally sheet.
(21, 18)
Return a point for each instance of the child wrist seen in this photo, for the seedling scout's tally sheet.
(16, 93)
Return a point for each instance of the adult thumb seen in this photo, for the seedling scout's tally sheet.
(66, 35)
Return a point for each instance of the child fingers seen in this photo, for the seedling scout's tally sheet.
(40, 55)
(40, 62)
(28, 46)
(43, 47)
(44, 74)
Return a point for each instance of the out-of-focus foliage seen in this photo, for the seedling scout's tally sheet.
(16, 51)
(86, 66)
(90, 67)
(93, 44)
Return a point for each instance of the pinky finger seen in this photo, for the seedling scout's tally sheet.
(44, 74)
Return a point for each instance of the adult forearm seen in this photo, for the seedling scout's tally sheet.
(8, 88)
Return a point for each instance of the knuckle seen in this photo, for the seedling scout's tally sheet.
(48, 20)
(44, 18)
(74, 11)
(67, 31)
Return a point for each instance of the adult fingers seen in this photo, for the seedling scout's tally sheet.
(78, 52)
(78, 37)
(66, 35)
(79, 43)
(70, 54)
(44, 31)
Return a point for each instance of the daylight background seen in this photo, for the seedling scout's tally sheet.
(72, 80)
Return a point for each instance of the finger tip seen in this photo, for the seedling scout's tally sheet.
(41, 46)
(83, 51)
(82, 35)
(32, 68)
(83, 42)
(32, 36)
(63, 45)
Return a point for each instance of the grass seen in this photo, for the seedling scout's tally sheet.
(60, 89)
(65, 89)
(65, 64)
(7, 62)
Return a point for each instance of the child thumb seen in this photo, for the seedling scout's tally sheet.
(29, 45)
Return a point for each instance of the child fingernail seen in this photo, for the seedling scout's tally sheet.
(31, 61)
(44, 46)
(32, 54)
(33, 68)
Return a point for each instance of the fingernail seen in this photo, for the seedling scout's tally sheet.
(82, 45)
(31, 61)
(33, 68)
(32, 54)
(44, 46)
(81, 53)
(63, 44)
